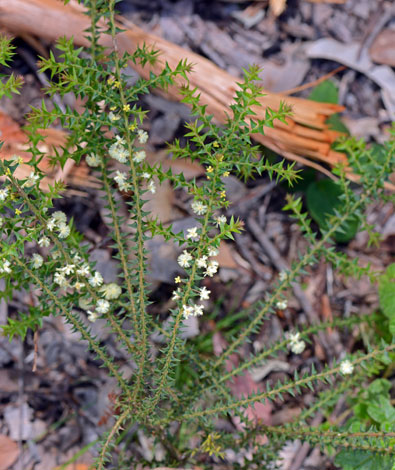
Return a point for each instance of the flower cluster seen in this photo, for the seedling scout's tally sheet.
(296, 344)
(118, 150)
(120, 178)
(58, 222)
(282, 304)
(142, 136)
(5, 267)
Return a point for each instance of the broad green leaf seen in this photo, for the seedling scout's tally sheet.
(323, 198)
(325, 92)
(363, 460)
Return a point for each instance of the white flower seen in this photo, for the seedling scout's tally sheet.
(298, 347)
(92, 316)
(118, 151)
(146, 175)
(282, 304)
(204, 293)
(187, 311)
(125, 186)
(113, 117)
(198, 207)
(64, 230)
(221, 219)
(79, 285)
(283, 275)
(31, 180)
(44, 241)
(92, 160)
(192, 234)
(68, 269)
(3, 194)
(96, 280)
(51, 224)
(84, 270)
(152, 187)
(202, 262)
(293, 337)
(111, 291)
(60, 279)
(103, 306)
(184, 259)
(6, 267)
(212, 268)
(37, 261)
(198, 310)
(138, 157)
(142, 136)
(77, 258)
(59, 217)
(346, 367)
(120, 177)
(213, 252)
(176, 294)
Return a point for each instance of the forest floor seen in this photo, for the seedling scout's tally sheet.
(65, 404)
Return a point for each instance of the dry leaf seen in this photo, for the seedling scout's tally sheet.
(225, 257)
(9, 452)
(16, 143)
(348, 54)
(277, 6)
(382, 50)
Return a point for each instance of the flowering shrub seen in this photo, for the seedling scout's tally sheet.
(109, 136)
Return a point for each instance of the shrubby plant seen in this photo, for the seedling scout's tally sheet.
(65, 281)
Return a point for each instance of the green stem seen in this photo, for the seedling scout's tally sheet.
(79, 327)
(139, 217)
(283, 388)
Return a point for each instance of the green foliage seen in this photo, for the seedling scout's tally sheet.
(362, 460)
(175, 395)
(327, 92)
(323, 198)
(12, 83)
(387, 295)
(372, 409)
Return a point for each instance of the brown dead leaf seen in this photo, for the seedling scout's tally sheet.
(186, 166)
(382, 50)
(243, 386)
(16, 143)
(277, 6)
(161, 203)
(326, 310)
(9, 452)
(225, 257)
